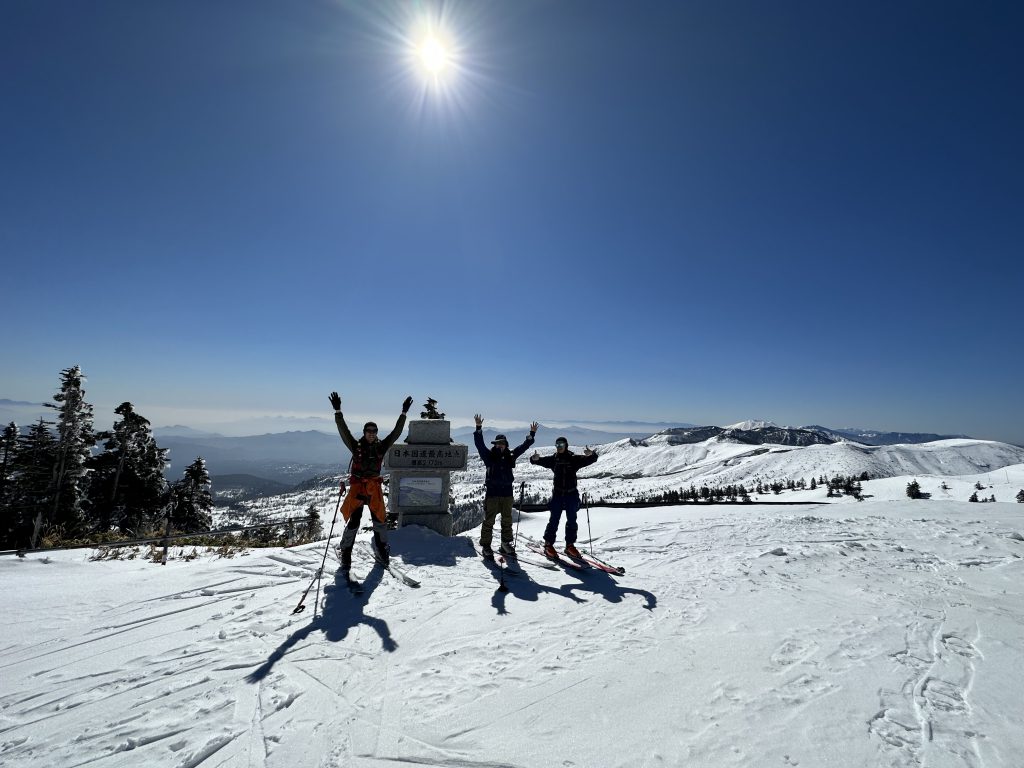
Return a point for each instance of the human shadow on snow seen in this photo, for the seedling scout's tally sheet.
(342, 611)
(593, 581)
(418, 546)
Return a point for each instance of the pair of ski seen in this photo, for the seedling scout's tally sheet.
(356, 587)
(511, 565)
(581, 563)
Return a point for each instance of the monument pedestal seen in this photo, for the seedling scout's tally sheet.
(421, 471)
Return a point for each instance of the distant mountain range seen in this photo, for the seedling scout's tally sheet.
(874, 437)
(766, 433)
(285, 457)
(546, 436)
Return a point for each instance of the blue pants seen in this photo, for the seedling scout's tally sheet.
(570, 504)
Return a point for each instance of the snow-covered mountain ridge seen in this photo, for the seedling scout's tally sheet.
(628, 469)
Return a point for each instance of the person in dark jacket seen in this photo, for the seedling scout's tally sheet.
(499, 484)
(364, 482)
(565, 497)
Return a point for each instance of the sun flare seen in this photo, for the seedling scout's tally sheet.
(434, 56)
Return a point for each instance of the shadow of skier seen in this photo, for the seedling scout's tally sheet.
(342, 611)
(599, 582)
(522, 588)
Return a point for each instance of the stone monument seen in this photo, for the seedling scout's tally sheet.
(421, 470)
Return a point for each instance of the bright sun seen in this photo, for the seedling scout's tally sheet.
(433, 56)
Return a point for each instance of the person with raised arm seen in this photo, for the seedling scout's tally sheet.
(499, 485)
(364, 483)
(565, 497)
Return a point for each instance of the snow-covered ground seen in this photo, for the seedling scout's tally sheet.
(881, 633)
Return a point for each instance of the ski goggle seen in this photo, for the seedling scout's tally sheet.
(561, 444)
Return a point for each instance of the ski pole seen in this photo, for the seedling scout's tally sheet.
(519, 517)
(316, 577)
(586, 499)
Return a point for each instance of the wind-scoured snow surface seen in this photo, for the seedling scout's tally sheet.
(880, 633)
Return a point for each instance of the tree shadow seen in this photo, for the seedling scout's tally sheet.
(342, 612)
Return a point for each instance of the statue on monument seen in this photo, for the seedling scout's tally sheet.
(431, 412)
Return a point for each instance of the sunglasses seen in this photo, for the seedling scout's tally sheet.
(369, 431)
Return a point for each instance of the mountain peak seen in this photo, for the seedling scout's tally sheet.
(750, 424)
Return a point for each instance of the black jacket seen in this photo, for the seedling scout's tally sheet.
(564, 466)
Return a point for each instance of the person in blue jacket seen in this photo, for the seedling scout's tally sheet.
(499, 483)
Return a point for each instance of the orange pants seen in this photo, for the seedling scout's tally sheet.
(364, 490)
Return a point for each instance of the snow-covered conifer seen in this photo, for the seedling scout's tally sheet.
(32, 488)
(8, 447)
(128, 483)
(191, 501)
(75, 440)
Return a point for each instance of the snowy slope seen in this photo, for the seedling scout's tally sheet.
(628, 468)
(882, 633)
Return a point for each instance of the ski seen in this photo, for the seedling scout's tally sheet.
(565, 562)
(602, 565)
(516, 558)
(494, 564)
(540, 562)
(390, 567)
(399, 574)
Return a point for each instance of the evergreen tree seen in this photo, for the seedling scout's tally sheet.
(30, 495)
(914, 489)
(314, 527)
(814, 484)
(979, 486)
(128, 483)
(191, 501)
(8, 448)
(1020, 496)
(75, 440)
(974, 496)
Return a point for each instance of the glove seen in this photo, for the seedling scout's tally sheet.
(406, 404)
(335, 399)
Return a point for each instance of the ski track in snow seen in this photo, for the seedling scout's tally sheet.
(735, 639)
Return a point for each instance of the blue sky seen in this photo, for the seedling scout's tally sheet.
(682, 211)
